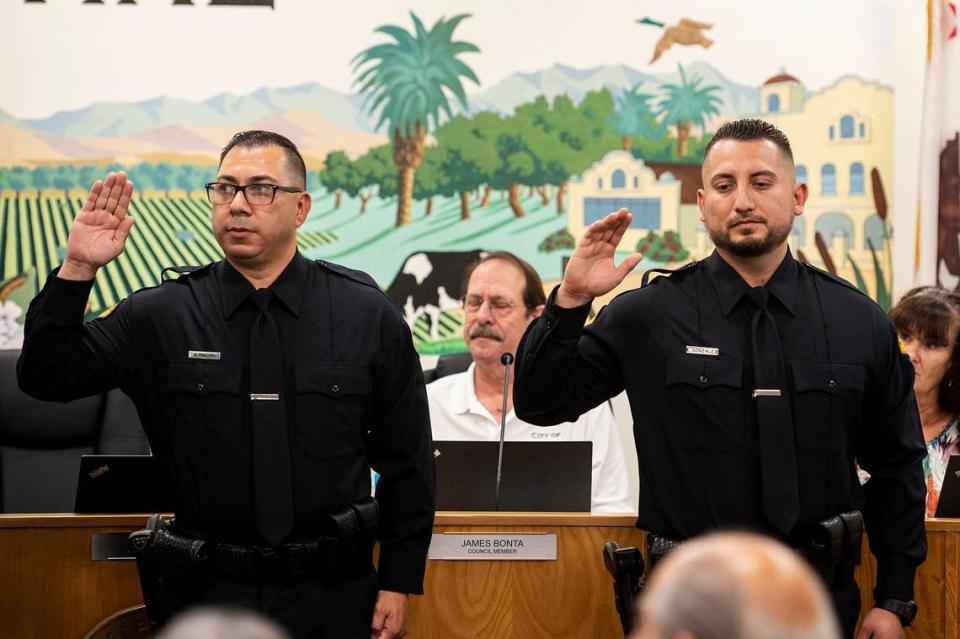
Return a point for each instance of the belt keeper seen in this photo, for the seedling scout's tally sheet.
(296, 559)
(333, 553)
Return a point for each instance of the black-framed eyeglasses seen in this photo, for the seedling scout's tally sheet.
(256, 193)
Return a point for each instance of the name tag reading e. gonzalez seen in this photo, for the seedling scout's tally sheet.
(494, 546)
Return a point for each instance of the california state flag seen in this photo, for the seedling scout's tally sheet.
(937, 247)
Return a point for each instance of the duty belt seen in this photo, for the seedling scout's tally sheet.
(175, 552)
(317, 556)
(833, 551)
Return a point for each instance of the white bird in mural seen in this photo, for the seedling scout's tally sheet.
(686, 32)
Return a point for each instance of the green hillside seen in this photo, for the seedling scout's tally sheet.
(371, 242)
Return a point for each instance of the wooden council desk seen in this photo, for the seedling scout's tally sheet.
(50, 587)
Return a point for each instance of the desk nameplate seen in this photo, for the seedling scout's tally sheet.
(494, 546)
(109, 546)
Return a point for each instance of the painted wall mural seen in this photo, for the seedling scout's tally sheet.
(434, 131)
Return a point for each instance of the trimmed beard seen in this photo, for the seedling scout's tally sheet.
(751, 246)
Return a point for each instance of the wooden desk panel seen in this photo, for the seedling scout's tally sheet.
(935, 587)
(570, 597)
(49, 587)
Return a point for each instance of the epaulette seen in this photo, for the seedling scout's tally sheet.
(108, 311)
(831, 276)
(665, 271)
(357, 276)
(181, 270)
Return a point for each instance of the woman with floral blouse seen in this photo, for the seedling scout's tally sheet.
(928, 321)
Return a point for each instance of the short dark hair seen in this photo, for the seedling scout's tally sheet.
(932, 315)
(749, 129)
(266, 138)
(533, 295)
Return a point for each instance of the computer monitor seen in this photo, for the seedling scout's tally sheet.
(949, 503)
(121, 484)
(536, 476)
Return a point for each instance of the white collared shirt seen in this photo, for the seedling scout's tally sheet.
(457, 414)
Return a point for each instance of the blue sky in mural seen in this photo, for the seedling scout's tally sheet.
(122, 53)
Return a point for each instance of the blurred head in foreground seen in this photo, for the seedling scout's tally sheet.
(735, 585)
(222, 623)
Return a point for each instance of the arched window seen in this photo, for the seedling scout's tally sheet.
(828, 180)
(773, 103)
(837, 232)
(873, 230)
(856, 178)
(846, 126)
(618, 180)
(801, 173)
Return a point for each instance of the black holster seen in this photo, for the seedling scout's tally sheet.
(834, 551)
(139, 542)
(626, 567)
(171, 555)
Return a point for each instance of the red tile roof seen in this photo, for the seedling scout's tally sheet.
(782, 77)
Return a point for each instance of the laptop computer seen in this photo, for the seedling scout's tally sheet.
(536, 476)
(121, 484)
(949, 503)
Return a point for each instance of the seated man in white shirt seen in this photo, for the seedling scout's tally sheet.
(503, 294)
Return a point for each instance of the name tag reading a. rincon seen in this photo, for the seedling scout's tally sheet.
(212, 355)
(494, 546)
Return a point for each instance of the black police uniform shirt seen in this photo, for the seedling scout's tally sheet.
(180, 351)
(681, 348)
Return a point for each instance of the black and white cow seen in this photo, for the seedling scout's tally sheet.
(429, 282)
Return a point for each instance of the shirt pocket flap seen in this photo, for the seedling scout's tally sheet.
(201, 379)
(704, 372)
(829, 378)
(332, 380)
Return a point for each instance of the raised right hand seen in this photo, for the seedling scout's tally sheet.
(100, 230)
(591, 272)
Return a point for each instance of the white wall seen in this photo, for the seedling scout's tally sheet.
(909, 46)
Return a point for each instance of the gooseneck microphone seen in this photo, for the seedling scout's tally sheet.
(506, 359)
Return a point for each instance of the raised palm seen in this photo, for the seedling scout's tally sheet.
(100, 230)
(591, 271)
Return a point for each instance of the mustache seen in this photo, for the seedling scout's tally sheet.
(485, 331)
(741, 219)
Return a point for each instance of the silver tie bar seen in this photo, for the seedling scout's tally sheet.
(766, 392)
(274, 397)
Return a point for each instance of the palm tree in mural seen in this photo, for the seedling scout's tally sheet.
(634, 116)
(687, 104)
(410, 81)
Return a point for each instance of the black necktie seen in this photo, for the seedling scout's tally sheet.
(272, 483)
(778, 455)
